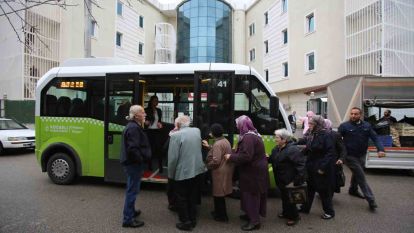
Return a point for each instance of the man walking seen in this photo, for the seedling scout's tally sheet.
(355, 133)
(185, 167)
(135, 150)
(292, 121)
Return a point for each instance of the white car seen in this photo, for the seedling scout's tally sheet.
(14, 135)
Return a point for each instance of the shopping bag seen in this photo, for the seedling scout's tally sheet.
(297, 194)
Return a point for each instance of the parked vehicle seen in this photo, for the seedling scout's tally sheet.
(14, 135)
(375, 95)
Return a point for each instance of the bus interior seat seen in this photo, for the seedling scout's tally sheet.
(63, 106)
(50, 105)
(77, 108)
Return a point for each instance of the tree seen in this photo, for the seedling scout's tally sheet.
(16, 8)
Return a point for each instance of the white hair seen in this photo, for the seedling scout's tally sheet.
(183, 121)
(134, 109)
(284, 134)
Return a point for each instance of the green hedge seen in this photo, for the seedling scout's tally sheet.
(20, 110)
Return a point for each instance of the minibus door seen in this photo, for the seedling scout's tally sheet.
(214, 102)
(121, 91)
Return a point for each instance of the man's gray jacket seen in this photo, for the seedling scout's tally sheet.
(184, 154)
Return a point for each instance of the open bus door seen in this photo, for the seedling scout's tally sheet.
(121, 91)
(214, 102)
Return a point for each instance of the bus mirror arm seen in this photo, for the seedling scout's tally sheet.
(274, 107)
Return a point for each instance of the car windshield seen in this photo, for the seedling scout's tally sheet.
(6, 124)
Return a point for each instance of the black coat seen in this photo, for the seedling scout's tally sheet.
(135, 147)
(150, 115)
(320, 152)
(288, 165)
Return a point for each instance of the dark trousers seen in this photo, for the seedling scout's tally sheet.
(134, 174)
(289, 210)
(187, 193)
(320, 184)
(156, 147)
(254, 205)
(220, 207)
(356, 165)
(172, 199)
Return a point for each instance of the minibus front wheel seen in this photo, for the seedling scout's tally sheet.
(61, 168)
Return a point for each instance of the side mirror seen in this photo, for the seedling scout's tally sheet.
(274, 107)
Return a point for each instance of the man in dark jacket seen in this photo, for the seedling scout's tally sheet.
(135, 150)
(356, 133)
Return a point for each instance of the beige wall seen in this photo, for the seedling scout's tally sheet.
(104, 44)
(328, 43)
(151, 17)
(255, 14)
(239, 32)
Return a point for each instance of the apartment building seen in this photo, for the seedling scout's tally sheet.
(299, 47)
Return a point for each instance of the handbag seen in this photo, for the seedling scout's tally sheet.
(340, 176)
(297, 194)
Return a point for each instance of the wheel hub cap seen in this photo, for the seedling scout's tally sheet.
(60, 168)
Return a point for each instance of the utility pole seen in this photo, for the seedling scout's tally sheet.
(88, 25)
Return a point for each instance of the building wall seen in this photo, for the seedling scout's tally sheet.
(103, 45)
(239, 41)
(132, 34)
(255, 14)
(278, 51)
(11, 61)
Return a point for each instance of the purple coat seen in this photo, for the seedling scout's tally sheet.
(251, 159)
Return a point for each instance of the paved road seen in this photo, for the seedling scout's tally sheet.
(30, 202)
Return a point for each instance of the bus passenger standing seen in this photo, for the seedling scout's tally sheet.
(135, 150)
(154, 125)
(221, 171)
(251, 158)
(186, 167)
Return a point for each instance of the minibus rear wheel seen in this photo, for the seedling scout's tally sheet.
(61, 168)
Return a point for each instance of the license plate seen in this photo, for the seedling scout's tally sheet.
(30, 144)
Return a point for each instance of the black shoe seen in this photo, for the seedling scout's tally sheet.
(137, 213)
(250, 227)
(292, 222)
(184, 226)
(134, 224)
(172, 208)
(356, 194)
(219, 218)
(244, 217)
(372, 205)
(281, 215)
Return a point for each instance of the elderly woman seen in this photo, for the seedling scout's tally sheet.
(254, 178)
(221, 171)
(288, 166)
(320, 165)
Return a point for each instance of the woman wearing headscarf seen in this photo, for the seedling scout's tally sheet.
(288, 166)
(305, 121)
(320, 166)
(340, 152)
(251, 159)
(221, 171)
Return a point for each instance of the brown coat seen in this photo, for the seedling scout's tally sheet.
(221, 170)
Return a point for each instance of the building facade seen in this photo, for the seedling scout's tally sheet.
(299, 47)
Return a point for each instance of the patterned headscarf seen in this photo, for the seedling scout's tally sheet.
(319, 123)
(328, 124)
(245, 125)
